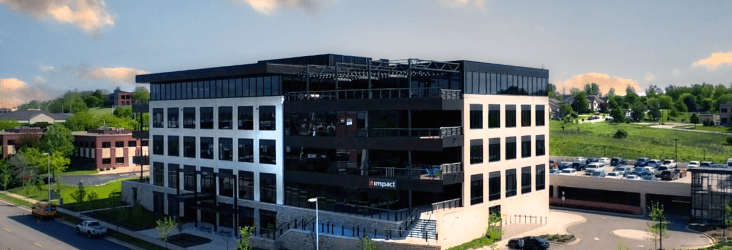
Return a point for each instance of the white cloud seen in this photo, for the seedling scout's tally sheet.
(268, 7)
(120, 74)
(39, 80)
(604, 81)
(46, 68)
(14, 92)
(88, 15)
(714, 61)
(650, 77)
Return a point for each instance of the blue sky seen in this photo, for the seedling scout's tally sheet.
(51, 46)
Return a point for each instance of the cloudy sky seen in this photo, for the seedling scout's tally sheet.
(51, 46)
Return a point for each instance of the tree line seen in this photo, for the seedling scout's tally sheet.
(76, 101)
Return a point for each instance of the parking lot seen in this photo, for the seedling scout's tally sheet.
(677, 174)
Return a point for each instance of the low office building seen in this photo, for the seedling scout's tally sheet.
(725, 114)
(33, 116)
(106, 148)
(120, 98)
(9, 138)
(374, 140)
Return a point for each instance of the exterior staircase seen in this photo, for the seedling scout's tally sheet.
(424, 229)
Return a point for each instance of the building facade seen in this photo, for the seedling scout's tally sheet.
(10, 137)
(725, 114)
(710, 190)
(106, 148)
(120, 98)
(250, 144)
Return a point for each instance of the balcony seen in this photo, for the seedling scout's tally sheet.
(140, 106)
(420, 139)
(449, 173)
(375, 99)
(141, 160)
(423, 133)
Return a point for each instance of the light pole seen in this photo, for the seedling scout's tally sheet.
(676, 146)
(317, 233)
(49, 176)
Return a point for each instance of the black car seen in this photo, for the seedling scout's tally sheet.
(641, 162)
(528, 242)
(616, 161)
(591, 160)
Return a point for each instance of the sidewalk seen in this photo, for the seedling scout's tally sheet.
(558, 222)
(32, 201)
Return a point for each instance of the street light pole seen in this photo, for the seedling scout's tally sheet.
(49, 176)
(676, 146)
(317, 232)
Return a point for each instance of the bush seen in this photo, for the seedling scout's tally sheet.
(620, 134)
(729, 140)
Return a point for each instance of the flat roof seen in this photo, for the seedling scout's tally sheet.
(711, 170)
(85, 133)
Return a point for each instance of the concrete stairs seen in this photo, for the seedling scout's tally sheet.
(424, 229)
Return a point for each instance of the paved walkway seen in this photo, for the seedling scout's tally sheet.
(671, 127)
(104, 177)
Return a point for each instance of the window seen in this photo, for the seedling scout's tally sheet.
(225, 117)
(157, 118)
(143, 143)
(540, 120)
(158, 171)
(106, 144)
(540, 145)
(494, 116)
(172, 117)
(189, 178)
(494, 149)
(119, 160)
(158, 144)
(724, 111)
(510, 182)
(207, 118)
(525, 115)
(173, 175)
(226, 182)
(494, 185)
(525, 146)
(246, 185)
(189, 117)
(246, 150)
(267, 118)
(119, 144)
(225, 149)
(208, 183)
(173, 145)
(207, 148)
(246, 117)
(510, 148)
(476, 189)
(525, 180)
(189, 146)
(510, 116)
(106, 161)
(267, 153)
(476, 151)
(476, 116)
(267, 188)
(132, 143)
(540, 177)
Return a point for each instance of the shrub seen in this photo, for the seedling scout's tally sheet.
(620, 134)
(729, 140)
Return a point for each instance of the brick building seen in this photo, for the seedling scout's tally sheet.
(120, 98)
(9, 137)
(107, 148)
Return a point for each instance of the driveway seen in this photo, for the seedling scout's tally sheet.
(95, 180)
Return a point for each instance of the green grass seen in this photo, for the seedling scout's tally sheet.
(15, 200)
(80, 172)
(42, 194)
(474, 244)
(643, 141)
(99, 112)
(708, 128)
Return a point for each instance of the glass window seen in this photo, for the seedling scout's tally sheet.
(106, 161)
(173, 145)
(158, 144)
(510, 148)
(525, 146)
(246, 150)
(483, 86)
(226, 149)
(189, 117)
(245, 87)
(510, 116)
(189, 178)
(468, 82)
(226, 183)
(510, 182)
(267, 188)
(246, 117)
(119, 144)
(172, 117)
(157, 119)
(189, 146)
(540, 120)
(525, 180)
(267, 86)
(494, 185)
(267, 118)
(267, 152)
(120, 160)
(207, 118)
(253, 86)
(494, 116)
(225, 87)
(158, 173)
(194, 90)
(276, 85)
(494, 149)
(540, 177)
(173, 175)
(525, 115)
(504, 84)
(238, 87)
(260, 86)
(208, 183)
(207, 148)
(106, 144)
(476, 151)
(476, 189)
(132, 144)
(225, 117)
(476, 116)
(540, 145)
(493, 85)
(246, 185)
(219, 88)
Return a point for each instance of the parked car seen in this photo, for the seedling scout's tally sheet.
(614, 175)
(606, 161)
(598, 174)
(718, 166)
(640, 170)
(568, 171)
(624, 169)
(729, 162)
(632, 177)
(669, 163)
(650, 178)
(705, 164)
(592, 159)
(44, 210)
(564, 165)
(693, 164)
(663, 168)
(641, 162)
(654, 163)
(669, 175)
(553, 164)
(91, 228)
(615, 161)
(528, 242)
(579, 163)
(554, 171)
(595, 166)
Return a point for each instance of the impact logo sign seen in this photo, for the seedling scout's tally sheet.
(381, 183)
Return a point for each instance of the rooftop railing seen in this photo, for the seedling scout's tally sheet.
(416, 132)
(448, 204)
(385, 93)
(428, 172)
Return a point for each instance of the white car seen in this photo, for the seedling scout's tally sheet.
(614, 175)
(654, 163)
(693, 164)
(669, 163)
(91, 228)
(632, 177)
(568, 171)
(624, 169)
(554, 171)
(595, 166)
(605, 160)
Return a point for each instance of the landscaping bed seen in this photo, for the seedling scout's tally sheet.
(559, 238)
(134, 218)
(187, 240)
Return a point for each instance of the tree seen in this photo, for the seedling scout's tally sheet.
(694, 119)
(708, 105)
(592, 89)
(81, 121)
(665, 101)
(722, 100)
(6, 175)
(654, 108)
(658, 227)
(630, 95)
(688, 100)
(141, 94)
(680, 106)
(727, 218)
(116, 122)
(164, 227)
(23, 170)
(243, 242)
(27, 140)
(494, 232)
(580, 104)
(566, 109)
(58, 138)
(617, 114)
(638, 111)
(123, 112)
(551, 91)
(367, 244)
(79, 194)
(8, 123)
(611, 92)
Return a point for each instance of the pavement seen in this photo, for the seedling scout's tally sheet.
(104, 177)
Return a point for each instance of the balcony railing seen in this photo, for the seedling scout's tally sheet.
(448, 204)
(416, 132)
(427, 172)
(386, 93)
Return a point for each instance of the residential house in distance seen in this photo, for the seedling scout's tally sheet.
(5, 110)
(373, 140)
(555, 109)
(705, 117)
(725, 114)
(596, 102)
(120, 98)
(32, 116)
(8, 137)
(106, 148)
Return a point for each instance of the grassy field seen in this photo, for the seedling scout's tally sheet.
(593, 139)
(99, 112)
(708, 128)
(42, 194)
(80, 172)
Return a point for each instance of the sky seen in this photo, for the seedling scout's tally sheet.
(48, 47)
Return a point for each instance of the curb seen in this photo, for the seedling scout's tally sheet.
(714, 242)
(575, 241)
(108, 238)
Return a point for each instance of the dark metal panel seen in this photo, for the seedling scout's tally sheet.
(453, 178)
(355, 181)
(452, 141)
(504, 69)
(373, 104)
(379, 143)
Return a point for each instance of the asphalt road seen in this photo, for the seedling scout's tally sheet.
(20, 230)
(95, 180)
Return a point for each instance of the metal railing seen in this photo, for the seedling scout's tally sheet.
(416, 132)
(385, 93)
(448, 204)
(418, 171)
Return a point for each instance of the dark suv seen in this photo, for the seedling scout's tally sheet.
(528, 242)
(591, 160)
(616, 161)
(641, 162)
(668, 175)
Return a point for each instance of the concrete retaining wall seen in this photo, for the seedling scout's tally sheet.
(299, 239)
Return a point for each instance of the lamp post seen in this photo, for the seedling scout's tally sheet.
(562, 198)
(317, 232)
(49, 176)
(676, 146)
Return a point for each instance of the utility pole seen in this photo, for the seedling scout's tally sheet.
(676, 146)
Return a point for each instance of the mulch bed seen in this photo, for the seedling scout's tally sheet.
(187, 240)
(561, 238)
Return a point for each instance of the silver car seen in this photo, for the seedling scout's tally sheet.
(632, 177)
(614, 175)
(568, 171)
